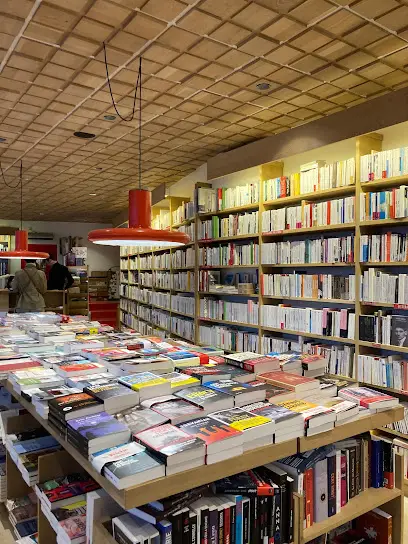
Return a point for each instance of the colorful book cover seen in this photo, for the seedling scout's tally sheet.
(141, 380)
(240, 419)
(96, 426)
(209, 430)
(168, 440)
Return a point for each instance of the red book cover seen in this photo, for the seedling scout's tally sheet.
(285, 379)
(204, 358)
(309, 502)
(209, 430)
(227, 525)
(263, 488)
(10, 367)
(343, 488)
(73, 368)
(376, 525)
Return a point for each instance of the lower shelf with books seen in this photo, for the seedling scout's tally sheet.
(364, 502)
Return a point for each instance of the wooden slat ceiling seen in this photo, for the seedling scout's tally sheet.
(203, 60)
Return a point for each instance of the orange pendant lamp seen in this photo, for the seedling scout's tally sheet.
(21, 251)
(139, 233)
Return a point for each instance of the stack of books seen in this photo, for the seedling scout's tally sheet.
(63, 409)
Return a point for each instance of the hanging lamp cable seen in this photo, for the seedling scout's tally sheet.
(21, 195)
(140, 122)
(6, 183)
(132, 115)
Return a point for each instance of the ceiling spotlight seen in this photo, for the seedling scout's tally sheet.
(109, 117)
(3, 139)
(84, 135)
(92, 194)
(263, 86)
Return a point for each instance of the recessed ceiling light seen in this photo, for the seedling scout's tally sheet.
(92, 194)
(3, 139)
(109, 117)
(263, 86)
(84, 135)
(98, 168)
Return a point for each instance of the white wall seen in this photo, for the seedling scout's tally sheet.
(185, 186)
(99, 257)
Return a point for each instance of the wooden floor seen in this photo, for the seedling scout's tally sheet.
(6, 534)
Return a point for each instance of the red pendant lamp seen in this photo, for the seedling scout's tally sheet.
(21, 251)
(139, 233)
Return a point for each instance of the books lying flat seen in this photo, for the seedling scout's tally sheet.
(140, 419)
(368, 398)
(78, 369)
(176, 410)
(114, 396)
(148, 385)
(262, 364)
(344, 409)
(242, 393)
(73, 406)
(253, 426)
(96, 432)
(180, 380)
(72, 530)
(296, 383)
(313, 415)
(100, 458)
(35, 444)
(204, 373)
(66, 490)
(235, 373)
(216, 435)
(172, 445)
(283, 417)
(125, 469)
(127, 529)
(183, 358)
(274, 393)
(147, 364)
(207, 399)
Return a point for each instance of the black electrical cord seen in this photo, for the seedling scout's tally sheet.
(139, 79)
(20, 177)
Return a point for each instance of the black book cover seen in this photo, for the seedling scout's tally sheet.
(72, 403)
(352, 472)
(291, 507)
(331, 484)
(359, 474)
(233, 523)
(193, 528)
(176, 502)
(57, 425)
(279, 477)
(221, 525)
(238, 484)
(204, 526)
(278, 516)
(246, 525)
(177, 527)
(185, 524)
(213, 525)
(108, 391)
(201, 396)
(271, 517)
(131, 465)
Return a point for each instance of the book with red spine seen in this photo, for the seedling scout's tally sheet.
(294, 382)
(309, 501)
(368, 398)
(378, 523)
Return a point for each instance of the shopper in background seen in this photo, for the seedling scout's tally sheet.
(59, 277)
(30, 283)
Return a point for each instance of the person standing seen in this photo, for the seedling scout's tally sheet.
(31, 284)
(59, 277)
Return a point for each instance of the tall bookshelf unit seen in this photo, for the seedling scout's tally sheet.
(363, 146)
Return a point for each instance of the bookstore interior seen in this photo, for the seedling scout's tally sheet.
(203, 271)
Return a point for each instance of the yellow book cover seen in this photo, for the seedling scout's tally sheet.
(149, 383)
(297, 405)
(184, 382)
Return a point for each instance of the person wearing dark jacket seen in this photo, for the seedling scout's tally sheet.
(59, 277)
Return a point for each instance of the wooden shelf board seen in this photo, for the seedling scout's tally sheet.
(316, 195)
(384, 388)
(393, 433)
(302, 265)
(359, 426)
(310, 335)
(384, 222)
(384, 182)
(183, 223)
(183, 268)
(237, 324)
(364, 502)
(385, 263)
(304, 230)
(246, 208)
(182, 314)
(169, 485)
(322, 300)
(383, 346)
(181, 291)
(218, 293)
(379, 304)
(217, 267)
(204, 241)
(161, 308)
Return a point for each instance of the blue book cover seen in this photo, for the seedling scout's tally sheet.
(96, 426)
(383, 205)
(377, 461)
(165, 529)
(177, 355)
(35, 444)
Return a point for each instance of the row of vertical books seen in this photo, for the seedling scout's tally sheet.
(229, 338)
(384, 164)
(314, 214)
(320, 250)
(239, 312)
(388, 247)
(223, 198)
(325, 322)
(233, 225)
(389, 371)
(384, 328)
(229, 254)
(390, 288)
(183, 304)
(319, 286)
(390, 204)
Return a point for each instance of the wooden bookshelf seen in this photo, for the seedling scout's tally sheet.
(270, 170)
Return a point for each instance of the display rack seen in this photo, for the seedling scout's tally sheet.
(70, 460)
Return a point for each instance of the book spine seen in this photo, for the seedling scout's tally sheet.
(213, 526)
(352, 471)
(246, 537)
(308, 497)
(343, 491)
(271, 520)
(204, 527)
(227, 525)
(233, 523)
(331, 484)
(221, 523)
(165, 530)
(185, 523)
(254, 520)
(278, 519)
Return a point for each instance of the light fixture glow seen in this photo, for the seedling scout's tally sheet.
(139, 233)
(92, 194)
(22, 251)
